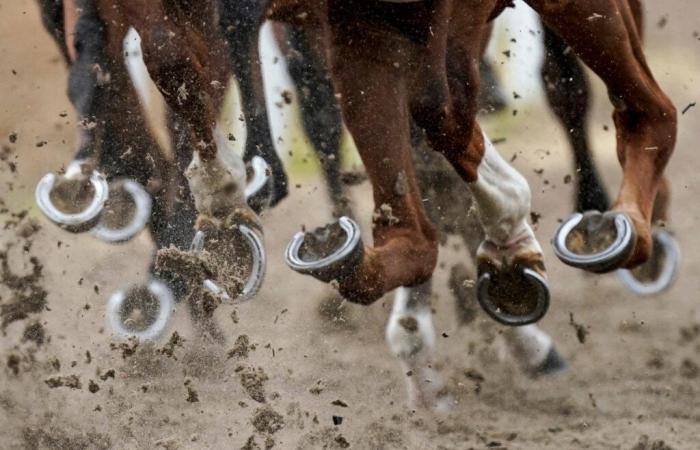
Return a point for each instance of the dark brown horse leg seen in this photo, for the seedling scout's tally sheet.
(646, 133)
(320, 112)
(186, 57)
(240, 22)
(568, 95)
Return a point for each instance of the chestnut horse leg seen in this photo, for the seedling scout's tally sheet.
(646, 133)
(511, 287)
(374, 100)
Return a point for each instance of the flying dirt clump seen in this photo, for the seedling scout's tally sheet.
(70, 381)
(27, 295)
(267, 420)
(253, 381)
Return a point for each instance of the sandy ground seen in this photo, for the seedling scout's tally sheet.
(636, 373)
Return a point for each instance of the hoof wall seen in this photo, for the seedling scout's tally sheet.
(514, 297)
(594, 241)
(327, 253)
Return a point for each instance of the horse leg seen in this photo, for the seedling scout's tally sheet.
(240, 22)
(320, 112)
(186, 57)
(411, 338)
(646, 123)
(511, 285)
(567, 91)
(405, 245)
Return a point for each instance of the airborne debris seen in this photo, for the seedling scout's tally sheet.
(581, 331)
(70, 381)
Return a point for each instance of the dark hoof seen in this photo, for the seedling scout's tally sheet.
(516, 296)
(659, 272)
(553, 364)
(141, 311)
(259, 187)
(72, 201)
(327, 253)
(126, 212)
(248, 255)
(594, 241)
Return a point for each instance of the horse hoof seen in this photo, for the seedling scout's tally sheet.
(659, 272)
(251, 255)
(126, 212)
(258, 191)
(594, 241)
(141, 311)
(553, 364)
(515, 296)
(327, 253)
(71, 201)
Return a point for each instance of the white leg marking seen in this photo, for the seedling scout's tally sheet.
(502, 198)
(529, 345)
(411, 337)
(218, 185)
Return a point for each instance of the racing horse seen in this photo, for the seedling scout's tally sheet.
(418, 60)
(116, 140)
(567, 91)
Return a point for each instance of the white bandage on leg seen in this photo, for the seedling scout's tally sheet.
(218, 185)
(502, 197)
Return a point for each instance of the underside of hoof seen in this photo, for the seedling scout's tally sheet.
(259, 187)
(141, 311)
(327, 253)
(513, 296)
(594, 241)
(659, 272)
(235, 258)
(553, 364)
(126, 212)
(72, 201)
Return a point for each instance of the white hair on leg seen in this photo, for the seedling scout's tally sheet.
(411, 337)
(218, 185)
(502, 197)
(529, 345)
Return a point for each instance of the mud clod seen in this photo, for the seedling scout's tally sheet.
(34, 332)
(581, 331)
(253, 381)
(174, 342)
(241, 348)
(268, 421)
(69, 381)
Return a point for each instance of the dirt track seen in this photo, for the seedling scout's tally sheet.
(636, 374)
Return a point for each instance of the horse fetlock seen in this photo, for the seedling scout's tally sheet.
(217, 184)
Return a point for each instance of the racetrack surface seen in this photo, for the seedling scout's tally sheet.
(636, 373)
